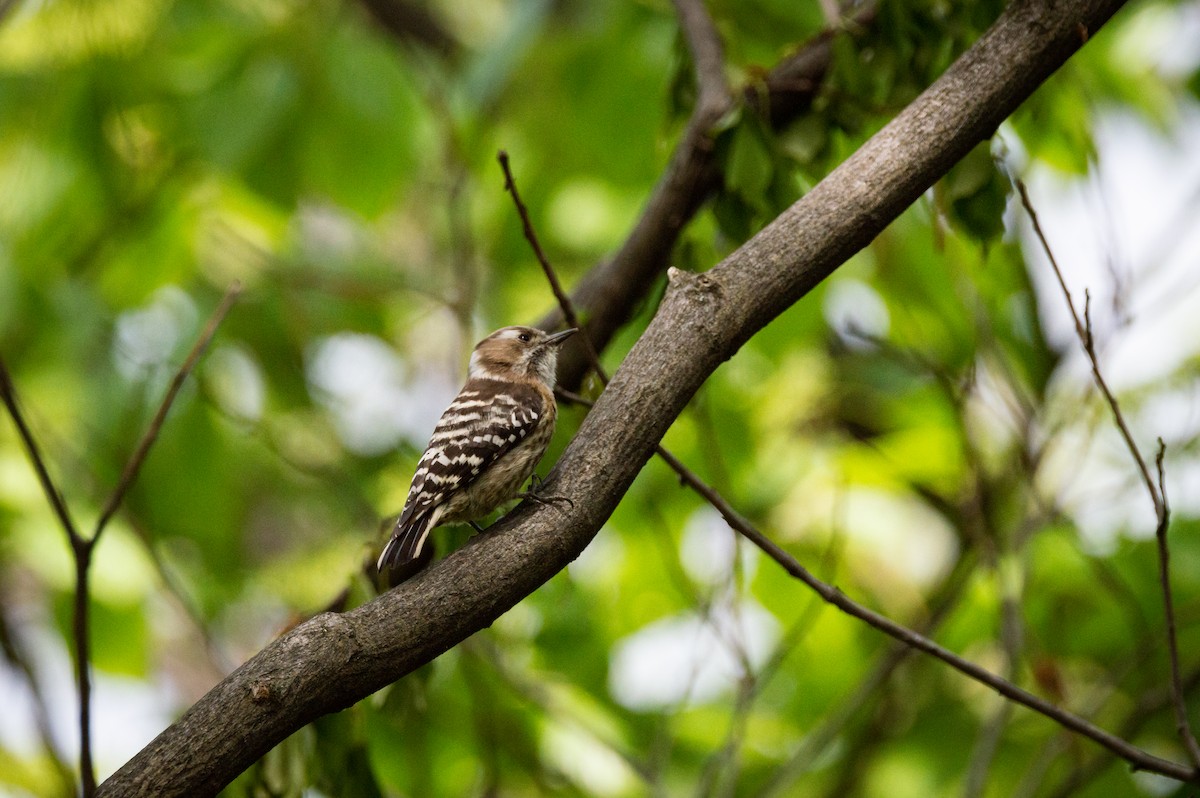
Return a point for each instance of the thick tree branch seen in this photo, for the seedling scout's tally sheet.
(333, 661)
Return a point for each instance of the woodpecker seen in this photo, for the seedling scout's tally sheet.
(486, 443)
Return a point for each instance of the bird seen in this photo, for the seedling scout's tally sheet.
(487, 442)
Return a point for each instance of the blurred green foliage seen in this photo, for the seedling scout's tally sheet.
(908, 430)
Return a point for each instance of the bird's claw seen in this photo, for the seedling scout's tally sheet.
(535, 485)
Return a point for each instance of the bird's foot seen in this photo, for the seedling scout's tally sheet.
(533, 494)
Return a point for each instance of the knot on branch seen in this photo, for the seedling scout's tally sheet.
(260, 693)
(692, 286)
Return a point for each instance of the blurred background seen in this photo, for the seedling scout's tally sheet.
(921, 430)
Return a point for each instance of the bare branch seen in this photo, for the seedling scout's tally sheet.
(708, 59)
(81, 552)
(564, 301)
(82, 548)
(832, 595)
(1182, 725)
(143, 448)
(8, 394)
(1157, 491)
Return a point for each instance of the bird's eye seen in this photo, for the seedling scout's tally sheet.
(526, 337)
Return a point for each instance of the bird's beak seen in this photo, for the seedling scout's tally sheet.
(559, 337)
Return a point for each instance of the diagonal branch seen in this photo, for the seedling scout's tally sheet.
(564, 302)
(8, 395)
(1157, 491)
(143, 448)
(332, 661)
(1137, 757)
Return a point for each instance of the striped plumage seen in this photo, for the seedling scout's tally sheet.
(487, 442)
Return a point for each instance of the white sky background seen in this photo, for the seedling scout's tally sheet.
(1131, 230)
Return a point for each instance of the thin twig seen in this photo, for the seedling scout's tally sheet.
(1139, 758)
(1158, 496)
(1164, 575)
(1136, 756)
(143, 448)
(564, 302)
(8, 395)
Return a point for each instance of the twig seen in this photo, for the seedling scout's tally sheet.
(708, 58)
(564, 302)
(1139, 758)
(8, 395)
(143, 448)
(1158, 495)
(1136, 756)
(1164, 575)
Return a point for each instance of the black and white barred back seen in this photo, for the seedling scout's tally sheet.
(487, 442)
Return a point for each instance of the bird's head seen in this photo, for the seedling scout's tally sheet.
(518, 353)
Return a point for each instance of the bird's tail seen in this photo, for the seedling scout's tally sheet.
(408, 538)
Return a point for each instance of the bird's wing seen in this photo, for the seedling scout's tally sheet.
(486, 420)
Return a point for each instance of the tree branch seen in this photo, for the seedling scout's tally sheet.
(81, 553)
(333, 661)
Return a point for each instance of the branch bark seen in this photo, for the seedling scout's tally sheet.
(332, 661)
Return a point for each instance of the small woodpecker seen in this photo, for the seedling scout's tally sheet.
(486, 443)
